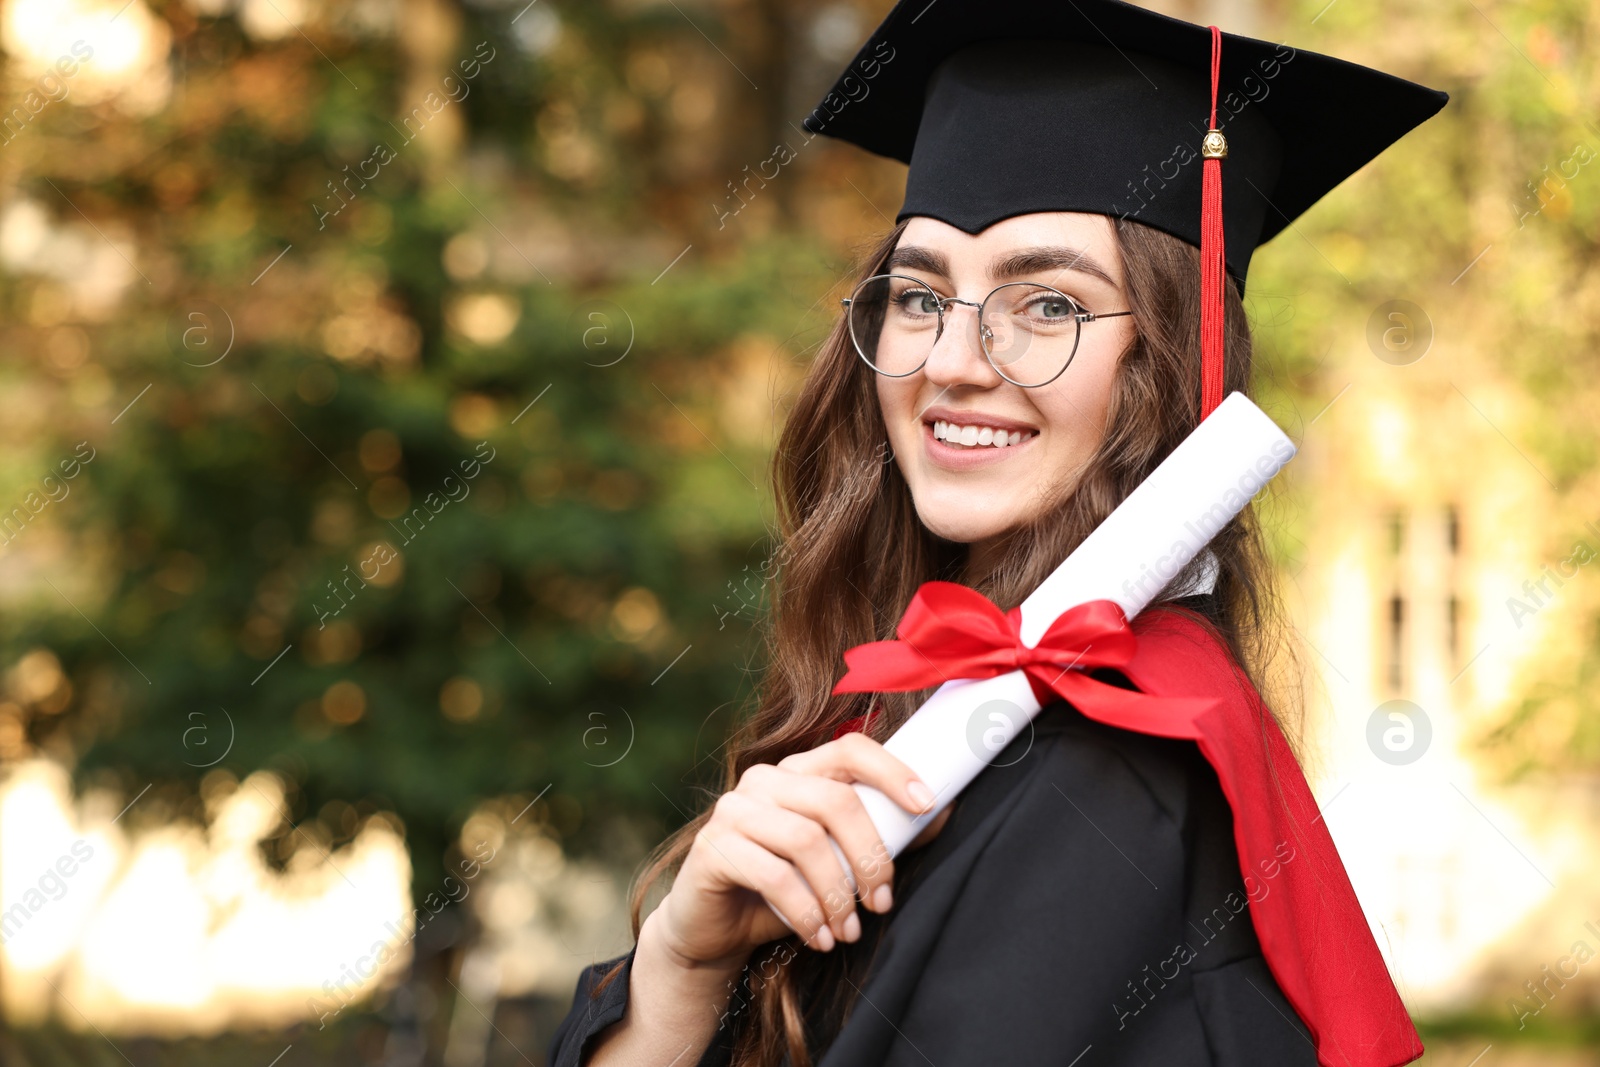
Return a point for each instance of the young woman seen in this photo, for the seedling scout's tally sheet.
(1011, 363)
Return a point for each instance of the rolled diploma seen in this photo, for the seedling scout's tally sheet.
(1129, 558)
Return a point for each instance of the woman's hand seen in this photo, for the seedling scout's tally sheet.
(767, 840)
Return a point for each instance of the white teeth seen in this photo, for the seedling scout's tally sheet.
(977, 436)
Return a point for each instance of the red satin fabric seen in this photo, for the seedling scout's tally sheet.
(1313, 934)
(952, 631)
(859, 723)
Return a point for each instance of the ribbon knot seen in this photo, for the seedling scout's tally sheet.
(950, 631)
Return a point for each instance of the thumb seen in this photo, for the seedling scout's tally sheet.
(931, 831)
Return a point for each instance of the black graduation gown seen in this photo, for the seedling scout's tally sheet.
(1083, 906)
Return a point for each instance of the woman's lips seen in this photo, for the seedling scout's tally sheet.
(965, 458)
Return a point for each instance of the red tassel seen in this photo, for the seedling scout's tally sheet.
(1212, 257)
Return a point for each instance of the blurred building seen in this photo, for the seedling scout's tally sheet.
(1442, 588)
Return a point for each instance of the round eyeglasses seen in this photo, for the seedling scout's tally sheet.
(1028, 331)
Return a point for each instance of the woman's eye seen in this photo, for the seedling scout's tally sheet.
(917, 302)
(1053, 309)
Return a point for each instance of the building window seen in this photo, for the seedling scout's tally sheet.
(1397, 616)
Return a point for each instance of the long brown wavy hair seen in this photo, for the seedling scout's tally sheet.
(853, 552)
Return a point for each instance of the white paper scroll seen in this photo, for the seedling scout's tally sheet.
(1129, 558)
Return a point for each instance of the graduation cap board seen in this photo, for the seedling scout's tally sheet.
(1006, 107)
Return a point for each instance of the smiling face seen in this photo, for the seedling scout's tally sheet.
(947, 421)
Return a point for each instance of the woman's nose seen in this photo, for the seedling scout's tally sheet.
(957, 357)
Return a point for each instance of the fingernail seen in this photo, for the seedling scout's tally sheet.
(825, 938)
(882, 897)
(852, 927)
(920, 793)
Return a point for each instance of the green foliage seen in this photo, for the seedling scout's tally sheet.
(566, 503)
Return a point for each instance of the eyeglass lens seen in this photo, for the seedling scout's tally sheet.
(1028, 331)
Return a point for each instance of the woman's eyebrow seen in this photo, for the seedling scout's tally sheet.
(1048, 258)
(918, 258)
(1027, 261)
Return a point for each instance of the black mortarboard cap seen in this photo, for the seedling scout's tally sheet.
(1004, 107)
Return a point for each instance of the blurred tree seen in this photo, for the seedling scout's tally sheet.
(426, 430)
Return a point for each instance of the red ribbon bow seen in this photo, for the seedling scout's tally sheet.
(950, 631)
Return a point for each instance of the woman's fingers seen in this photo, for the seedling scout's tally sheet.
(803, 842)
(838, 808)
(855, 757)
(797, 835)
(741, 861)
